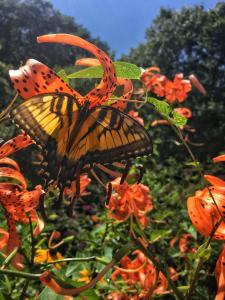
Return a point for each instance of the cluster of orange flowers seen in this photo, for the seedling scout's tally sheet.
(141, 271)
(160, 85)
(130, 200)
(204, 215)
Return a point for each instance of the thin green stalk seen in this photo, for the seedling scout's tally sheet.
(77, 259)
(20, 274)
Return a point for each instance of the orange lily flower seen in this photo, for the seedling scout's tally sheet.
(14, 197)
(141, 271)
(183, 243)
(129, 200)
(36, 78)
(178, 89)
(203, 213)
(220, 275)
(126, 83)
(163, 87)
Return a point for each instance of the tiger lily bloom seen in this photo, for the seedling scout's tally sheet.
(129, 200)
(202, 211)
(46, 81)
(16, 200)
(160, 85)
(141, 271)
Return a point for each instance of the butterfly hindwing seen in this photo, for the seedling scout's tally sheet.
(108, 135)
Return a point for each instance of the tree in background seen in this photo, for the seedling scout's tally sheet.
(22, 21)
(192, 41)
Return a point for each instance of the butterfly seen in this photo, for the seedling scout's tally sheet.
(75, 132)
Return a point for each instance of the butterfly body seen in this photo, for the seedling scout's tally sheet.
(73, 135)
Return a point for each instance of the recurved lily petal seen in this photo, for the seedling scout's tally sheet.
(40, 223)
(220, 276)
(219, 158)
(8, 162)
(216, 181)
(19, 142)
(203, 213)
(4, 237)
(13, 174)
(104, 90)
(35, 78)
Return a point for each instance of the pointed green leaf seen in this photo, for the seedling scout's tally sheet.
(178, 119)
(62, 74)
(123, 70)
(203, 252)
(161, 106)
(166, 110)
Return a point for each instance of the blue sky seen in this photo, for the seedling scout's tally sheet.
(121, 23)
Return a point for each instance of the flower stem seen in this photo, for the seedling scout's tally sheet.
(20, 274)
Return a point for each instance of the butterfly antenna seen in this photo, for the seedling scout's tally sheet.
(125, 172)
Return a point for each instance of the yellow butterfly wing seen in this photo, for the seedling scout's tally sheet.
(108, 135)
(48, 119)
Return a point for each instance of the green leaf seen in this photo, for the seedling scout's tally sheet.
(123, 70)
(161, 106)
(203, 252)
(178, 119)
(166, 111)
(62, 74)
(48, 294)
(158, 234)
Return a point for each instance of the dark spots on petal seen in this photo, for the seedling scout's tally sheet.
(18, 90)
(16, 80)
(56, 90)
(25, 89)
(44, 87)
(42, 73)
(34, 71)
(24, 80)
(61, 88)
(36, 90)
(37, 85)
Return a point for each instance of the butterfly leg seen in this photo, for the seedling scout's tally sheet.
(77, 193)
(125, 172)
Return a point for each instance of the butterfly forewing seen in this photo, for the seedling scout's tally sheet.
(48, 120)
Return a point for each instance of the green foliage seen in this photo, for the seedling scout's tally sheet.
(166, 111)
(123, 70)
(22, 21)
